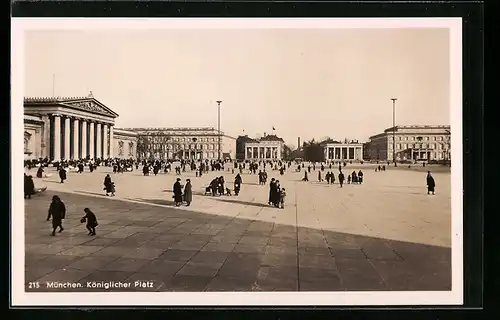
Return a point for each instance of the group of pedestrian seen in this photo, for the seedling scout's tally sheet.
(57, 211)
(182, 194)
(262, 177)
(277, 194)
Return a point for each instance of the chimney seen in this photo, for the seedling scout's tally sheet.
(298, 143)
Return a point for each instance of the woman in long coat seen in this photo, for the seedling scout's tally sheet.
(39, 172)
(431, 184)
(108, 184)
(57, 211)
(360, 177)
(272, 187)
(29, 186)
(188, 192)
(221, 187)
(177, 192)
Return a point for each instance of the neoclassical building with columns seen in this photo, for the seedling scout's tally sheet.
(269, 147)
(67, 128)
(351, 151)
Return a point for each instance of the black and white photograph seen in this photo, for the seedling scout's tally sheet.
(237, 161)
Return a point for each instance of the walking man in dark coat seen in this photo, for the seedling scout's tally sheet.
(431, 184)
(177, 192)
(360, 177)
(29, 186)
(341, 179)
(62, 174)
(57, 210)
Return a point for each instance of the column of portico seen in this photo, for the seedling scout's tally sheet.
(76, 138)
(98, 133)
(111, 141)
(57, 137)
(105, 142)
(91, 152)
(67, 137)
(84, 140)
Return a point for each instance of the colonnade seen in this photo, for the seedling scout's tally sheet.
(263, 153)
(344, 153)
(78, 138)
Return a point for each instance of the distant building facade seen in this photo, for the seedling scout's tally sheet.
(269, 147)
(183, 143)
(412, 143)
(125, 144)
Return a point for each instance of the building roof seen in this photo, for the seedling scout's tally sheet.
(88, 104)
(246, 138)
(271, 137)
(124, 132)
(176, 131)
(329, 140)
(173, 129)
(446, 127)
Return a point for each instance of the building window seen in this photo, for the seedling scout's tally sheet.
(424, 145)
(399, 138)
(440, 139)
(406, 138)
(426, 138)
(433, 138)
(398, 146)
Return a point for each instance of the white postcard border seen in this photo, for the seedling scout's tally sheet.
(22, 298)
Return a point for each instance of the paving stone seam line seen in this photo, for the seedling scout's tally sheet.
(384, 281)
(297, 236)
(225, 260)
(331, 255)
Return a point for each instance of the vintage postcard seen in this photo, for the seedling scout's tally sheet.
(237, 162)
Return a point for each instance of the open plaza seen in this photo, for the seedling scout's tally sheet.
(384, 234)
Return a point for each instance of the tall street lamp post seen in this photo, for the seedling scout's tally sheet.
(218, 127)
(394, 130)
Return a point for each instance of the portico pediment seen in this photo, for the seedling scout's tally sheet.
(87, 104)
(92, 106)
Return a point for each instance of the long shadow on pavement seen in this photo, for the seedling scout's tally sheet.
(245, 203)
(182, 250)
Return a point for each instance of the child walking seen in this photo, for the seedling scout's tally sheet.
(91, 221)
(282, 198)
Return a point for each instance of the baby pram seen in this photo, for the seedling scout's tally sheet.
(208, 190)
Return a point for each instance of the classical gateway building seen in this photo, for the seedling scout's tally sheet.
(352, 151)
(183, 143)
(269, 147)
(412, 143)
(67, 128)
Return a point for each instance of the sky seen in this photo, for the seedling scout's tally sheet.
(307, 83)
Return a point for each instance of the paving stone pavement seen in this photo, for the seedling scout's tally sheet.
(386, 234)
